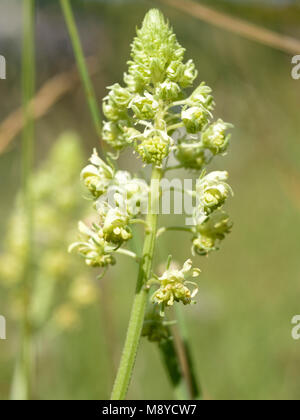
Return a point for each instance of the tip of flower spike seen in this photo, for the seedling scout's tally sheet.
(154, 18)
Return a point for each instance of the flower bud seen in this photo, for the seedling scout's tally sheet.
(175, 71)
(211, 232)
(168, 91)
(154, 148)
(116, 102)
(119, 95)
(215, 138)
(111, 110)
(191, 154)
(212, 192)
(97, 176)
(118, 135)
(194, 119)
(115, 227)
(144, 107)
(157, 69)
(189, 74)
(202, 97)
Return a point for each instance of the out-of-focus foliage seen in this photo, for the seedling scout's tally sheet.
(60, 287)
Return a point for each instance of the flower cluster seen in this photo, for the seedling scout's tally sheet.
(97, 176)
(173, 286)
(137, 114)
(211, 222)
(209, 233)
(211, 191)
(144, 113)
(119, 199)
(154, 114)
(93, 247)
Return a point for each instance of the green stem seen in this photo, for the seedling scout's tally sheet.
(175, 126)
(21, 388)
(81, 64)
(174, 229)
(141, 295)
(172, 168)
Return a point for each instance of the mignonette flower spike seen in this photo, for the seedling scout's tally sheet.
(153, 114)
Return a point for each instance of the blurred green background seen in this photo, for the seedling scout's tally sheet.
(249, 291)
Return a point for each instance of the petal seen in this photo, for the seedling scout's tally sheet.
(187, 266)
(84, 229)
(96, 160)
(89, 170)
(196, 272)
(194, 292)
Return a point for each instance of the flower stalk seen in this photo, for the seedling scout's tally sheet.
(141, 295)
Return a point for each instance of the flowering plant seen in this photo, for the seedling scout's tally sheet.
(153, 114)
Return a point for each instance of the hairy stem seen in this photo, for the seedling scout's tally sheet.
(21, 387)
(141, 295)
(81, 64)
